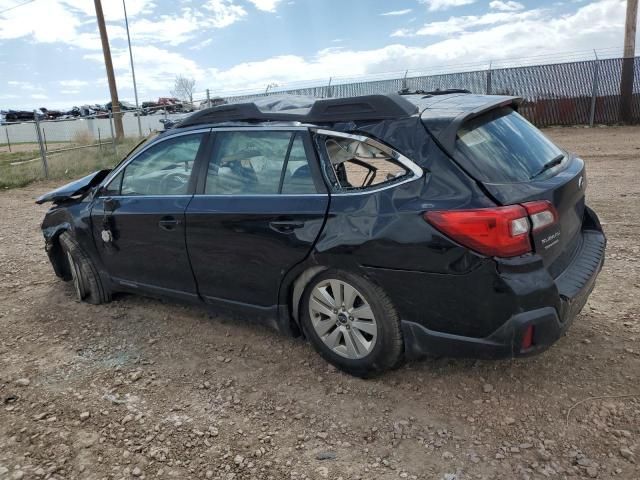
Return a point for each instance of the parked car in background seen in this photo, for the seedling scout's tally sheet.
(124, 106)
(381, 227)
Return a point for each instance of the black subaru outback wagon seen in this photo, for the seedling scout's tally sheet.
(380, 227)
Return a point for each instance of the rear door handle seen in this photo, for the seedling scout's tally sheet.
(168, 223)
(286, 226)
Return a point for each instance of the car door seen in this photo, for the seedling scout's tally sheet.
(259, 208)
(138, 217)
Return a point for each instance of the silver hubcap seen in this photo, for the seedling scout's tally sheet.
(343, 319)
(74, 276)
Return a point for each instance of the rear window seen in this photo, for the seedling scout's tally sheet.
(502, 147)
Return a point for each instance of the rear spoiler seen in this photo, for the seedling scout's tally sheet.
(446, 134)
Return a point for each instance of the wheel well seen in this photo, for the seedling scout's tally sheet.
(57, 257)
(299, 285)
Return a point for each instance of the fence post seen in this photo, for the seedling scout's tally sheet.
(99, 140)
(208, 99)
(6, 131)
(113, 137)
(43, 153)
(329, 88)
(404, 80)
(44, 135)
(594, 92)
(488, 87)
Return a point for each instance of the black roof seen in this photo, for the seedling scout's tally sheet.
(441, 112)
(307, 110)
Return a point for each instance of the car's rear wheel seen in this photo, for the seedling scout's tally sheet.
(87, 283)
(352, 323)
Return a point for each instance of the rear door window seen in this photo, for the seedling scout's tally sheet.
(503, 147)
(259, 163)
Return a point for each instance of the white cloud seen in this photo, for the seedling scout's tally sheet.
(456, 25)
(112, 9)
(508, 6)
(395, 13)
(435, 5)
(156, 68)
(402, 32)
(39, 96)
(200, 45)
(173, 30)
(506, 36)
(223, 13)
(266, 5)
(73, 83)
(22, 85)
(53, 23)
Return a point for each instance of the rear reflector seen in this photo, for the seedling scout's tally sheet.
(496, 232)
(527, 338)
(542, 213)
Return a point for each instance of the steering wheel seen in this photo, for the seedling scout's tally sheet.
(174, 182)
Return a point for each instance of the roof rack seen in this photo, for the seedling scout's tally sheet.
(369, 107)
(446, 91)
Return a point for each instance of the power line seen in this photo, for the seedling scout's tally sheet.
(16, 6)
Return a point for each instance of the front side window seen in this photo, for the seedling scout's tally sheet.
(357, 165)
(163, 169)
(259, 163)
(503, 147)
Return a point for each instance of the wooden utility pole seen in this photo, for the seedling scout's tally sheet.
(115, 104)
(626, 80)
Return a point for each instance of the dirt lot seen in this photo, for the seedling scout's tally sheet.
(140, 388)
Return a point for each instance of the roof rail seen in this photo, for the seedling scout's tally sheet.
(368, 107)
(446, 91)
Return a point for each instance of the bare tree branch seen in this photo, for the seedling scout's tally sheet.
(184, 88)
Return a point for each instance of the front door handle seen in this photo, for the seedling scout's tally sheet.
(286, 226)
(168, 223)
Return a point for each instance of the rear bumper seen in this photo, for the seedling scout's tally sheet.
(574, 286)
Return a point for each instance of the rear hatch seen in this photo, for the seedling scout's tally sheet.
(516, 163)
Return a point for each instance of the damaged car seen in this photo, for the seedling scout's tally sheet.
(380, 228)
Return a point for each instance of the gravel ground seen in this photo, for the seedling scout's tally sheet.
(144, 389)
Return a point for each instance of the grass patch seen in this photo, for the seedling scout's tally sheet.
(62, 166)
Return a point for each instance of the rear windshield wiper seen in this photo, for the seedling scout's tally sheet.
(557, 160)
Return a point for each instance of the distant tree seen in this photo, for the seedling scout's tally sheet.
(183, 88)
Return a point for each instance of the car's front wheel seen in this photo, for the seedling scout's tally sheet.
(352, 323)
(87, 283)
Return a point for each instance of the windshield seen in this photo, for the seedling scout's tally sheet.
(503, 147)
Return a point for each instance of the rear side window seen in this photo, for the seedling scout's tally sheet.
(259, 163)
(503, 147)
(357, 165)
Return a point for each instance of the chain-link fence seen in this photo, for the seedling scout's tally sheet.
(67, 148)
(574, 93)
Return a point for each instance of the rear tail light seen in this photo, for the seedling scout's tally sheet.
(541, 213)
(496, 232)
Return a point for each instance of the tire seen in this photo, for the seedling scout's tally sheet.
(88, 284)
(363, 342)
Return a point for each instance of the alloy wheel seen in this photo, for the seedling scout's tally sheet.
(343, 319)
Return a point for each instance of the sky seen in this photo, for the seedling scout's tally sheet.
(51, 55)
